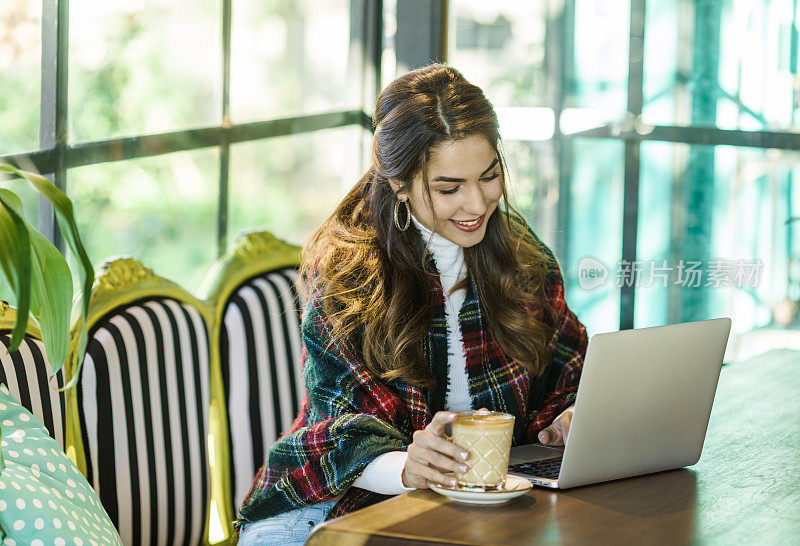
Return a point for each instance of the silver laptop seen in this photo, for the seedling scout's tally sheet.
(642, 406)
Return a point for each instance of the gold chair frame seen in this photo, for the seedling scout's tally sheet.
(8, 319)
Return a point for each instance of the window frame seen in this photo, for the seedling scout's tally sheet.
(56, 155)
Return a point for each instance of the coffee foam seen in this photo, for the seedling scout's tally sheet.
(477, 418)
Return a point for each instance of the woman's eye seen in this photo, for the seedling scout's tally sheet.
(455, 189)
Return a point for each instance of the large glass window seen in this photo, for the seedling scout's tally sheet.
(153, 169)
(533, 185)
(500, 46)
(598, 80)
(593, 180)
(143, 67)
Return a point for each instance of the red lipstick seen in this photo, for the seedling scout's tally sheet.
(469, 225)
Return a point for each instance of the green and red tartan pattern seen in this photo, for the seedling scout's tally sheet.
(349, 416)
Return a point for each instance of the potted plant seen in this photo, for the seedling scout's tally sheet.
(38, 274)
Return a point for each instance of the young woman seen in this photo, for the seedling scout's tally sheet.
(425, 294)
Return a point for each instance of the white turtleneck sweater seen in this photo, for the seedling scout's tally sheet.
(384, 474)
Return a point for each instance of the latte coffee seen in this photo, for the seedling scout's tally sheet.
(486, 435)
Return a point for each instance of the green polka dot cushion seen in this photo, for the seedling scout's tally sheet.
(44, 499)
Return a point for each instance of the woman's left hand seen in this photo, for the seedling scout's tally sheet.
(556, 434)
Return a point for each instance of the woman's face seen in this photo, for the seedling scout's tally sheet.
(466, 185)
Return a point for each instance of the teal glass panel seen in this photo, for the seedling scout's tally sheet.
(653, 237)
(595, 232)
(599, 77)
(733, 213)
(662, 87)
(732, 65)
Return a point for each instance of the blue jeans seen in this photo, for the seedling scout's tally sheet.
(287, 529)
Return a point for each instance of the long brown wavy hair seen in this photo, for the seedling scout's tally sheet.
(375, 280)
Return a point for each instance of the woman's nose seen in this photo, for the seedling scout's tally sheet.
(474, 201)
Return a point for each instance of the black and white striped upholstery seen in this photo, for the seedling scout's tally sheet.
(143, 399)
(26, 374)
(260, 350)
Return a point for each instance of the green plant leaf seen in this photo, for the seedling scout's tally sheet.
(51, 291)
(65, 216)
(51, 298)
(15, 260)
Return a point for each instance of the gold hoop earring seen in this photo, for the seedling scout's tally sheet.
(397, 213)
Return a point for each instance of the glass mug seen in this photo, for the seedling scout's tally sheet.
(486, 435)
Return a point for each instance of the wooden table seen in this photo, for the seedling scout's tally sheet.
(744, 490)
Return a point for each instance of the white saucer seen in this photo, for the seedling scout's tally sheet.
(514, 487)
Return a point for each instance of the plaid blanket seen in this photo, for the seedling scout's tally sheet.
(349, 416)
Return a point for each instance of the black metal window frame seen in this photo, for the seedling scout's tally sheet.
(56, 155)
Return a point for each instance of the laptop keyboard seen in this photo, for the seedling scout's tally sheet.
(546, 468)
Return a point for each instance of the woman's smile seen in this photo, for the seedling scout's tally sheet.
(469, 225)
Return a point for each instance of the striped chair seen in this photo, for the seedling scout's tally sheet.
(26, 372)
(142, 402)
(256, 346)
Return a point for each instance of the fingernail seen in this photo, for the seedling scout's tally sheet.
(464, 455)
(543, 437)
(451, 482)
(463, 468)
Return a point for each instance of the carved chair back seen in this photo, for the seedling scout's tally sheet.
(256, 346)
(141, 405)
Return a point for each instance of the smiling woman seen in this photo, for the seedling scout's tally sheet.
(423, 296)
(436, 149)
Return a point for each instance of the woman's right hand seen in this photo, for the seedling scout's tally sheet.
(430, 455)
